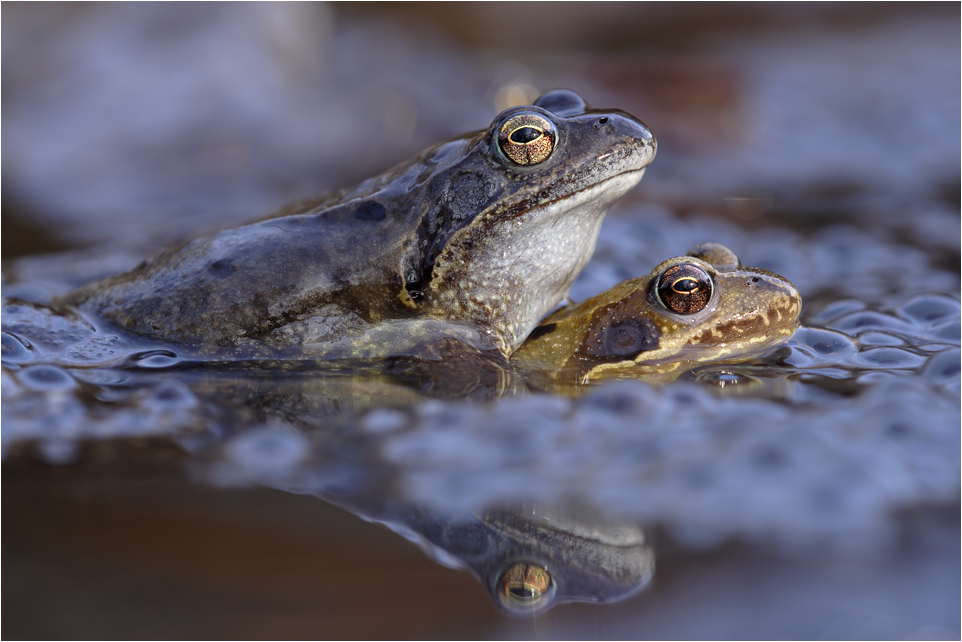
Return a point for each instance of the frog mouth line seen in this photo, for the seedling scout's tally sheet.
(595, 186)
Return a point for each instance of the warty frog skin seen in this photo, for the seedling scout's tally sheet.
(478, 237)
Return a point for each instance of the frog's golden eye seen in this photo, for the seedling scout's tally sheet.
(525, 588)
(527, 139)
(684, 289)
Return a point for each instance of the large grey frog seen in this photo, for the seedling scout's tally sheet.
(480, 236)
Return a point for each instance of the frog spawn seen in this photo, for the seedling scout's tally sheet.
(705, 468)
(918, 336)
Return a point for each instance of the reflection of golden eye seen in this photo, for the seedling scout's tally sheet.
(527, 138)
(525, 588)
(684, 289)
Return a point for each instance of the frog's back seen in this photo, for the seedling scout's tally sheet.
(253, 280)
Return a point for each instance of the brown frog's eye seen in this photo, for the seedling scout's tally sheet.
(527, 139)
(525, 588)
(684, 289)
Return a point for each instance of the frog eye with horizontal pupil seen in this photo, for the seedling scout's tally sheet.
(684, 289)
(525, 588)
(527, 139)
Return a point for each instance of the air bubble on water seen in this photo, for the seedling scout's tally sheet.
(724, 378)
(155, 359)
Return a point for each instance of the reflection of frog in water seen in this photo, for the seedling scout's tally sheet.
(528, 558)
(540, 558)
(478, 237)
(701, 307)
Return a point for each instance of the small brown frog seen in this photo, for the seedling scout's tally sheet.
(701, 307)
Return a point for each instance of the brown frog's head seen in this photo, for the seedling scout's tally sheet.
(700, 307)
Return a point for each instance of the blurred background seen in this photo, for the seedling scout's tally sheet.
(819, 140)
(124, 120)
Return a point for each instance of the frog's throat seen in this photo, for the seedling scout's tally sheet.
(529, 269)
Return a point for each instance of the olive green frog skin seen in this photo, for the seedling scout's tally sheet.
(691, 309)
(479, 236)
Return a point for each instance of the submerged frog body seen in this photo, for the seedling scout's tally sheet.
(691, 309)
(484, 234)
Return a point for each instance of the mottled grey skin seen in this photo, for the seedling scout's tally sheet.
(459, 238)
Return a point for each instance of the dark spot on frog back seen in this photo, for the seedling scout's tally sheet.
(221, 267)
(370, 211)
(347, 213)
